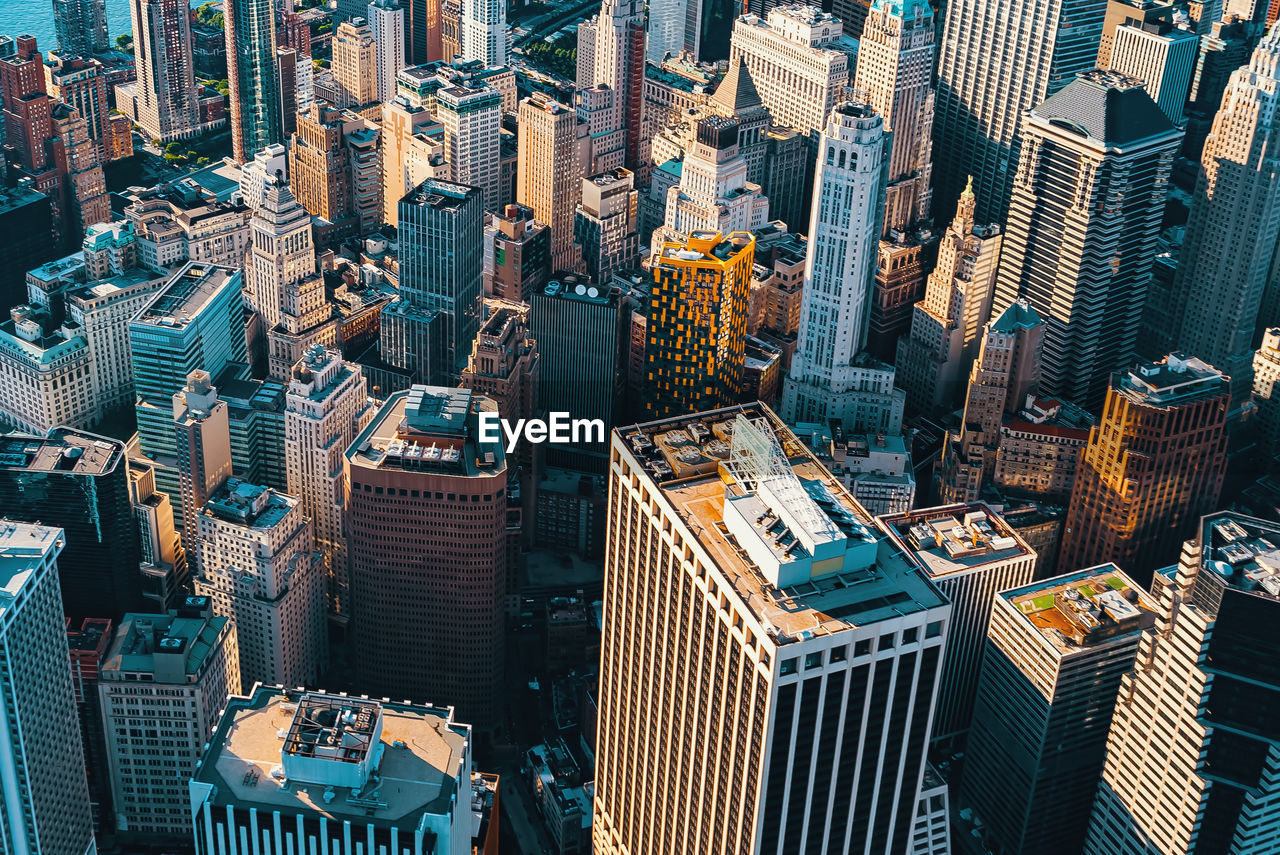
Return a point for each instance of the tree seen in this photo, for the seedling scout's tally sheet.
(172, 148)
(125, 43)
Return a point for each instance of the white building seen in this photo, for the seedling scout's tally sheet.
(255, 175)
(714, 194)
(161, 686)
(325, 407)
(258, 568)
(45, 793)
(1163, 58)
(298, 772)
(799, 60)
(45, 373)
(472, 119)
(482, 32)
(386, 20)
(875, 468)
(202, 443)
(931, 834)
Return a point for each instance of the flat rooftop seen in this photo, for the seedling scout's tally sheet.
(688, 459)
(63, 450)
(438, 193)
(1080, 610)
(429, 429)
(250, 505)
(188, 292)
(1175, 379)
(22, 549)
(1244, 552)
(142, 637)
(954, 538)
(422, 763)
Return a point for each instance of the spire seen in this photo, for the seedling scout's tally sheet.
(737, 91)
(963, 223)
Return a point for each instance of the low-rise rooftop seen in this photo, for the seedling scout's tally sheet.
(954, 538)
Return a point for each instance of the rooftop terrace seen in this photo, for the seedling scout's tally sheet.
(1079, 610)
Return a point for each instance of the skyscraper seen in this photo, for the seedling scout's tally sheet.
(1088, 200)
(1134, 13)
(619, 54)
(81, 26)
(335, 170)
(1191, 754)
(734, 717)
(1152, 467)
(202, 433)
(697, 323)
(604, 224)
(946, 326)
(355, 64)
(1055, 654)
(517, 254)
(482, 32)
(549, 172)
(472, 118)
(386, 21)
(326, 406)
(163, 99)
(428, 572)
(42, 754)
(988, 77)
(253, 76)
(713, 193)
(1163, 57)
(1220, 297)
(825, 377)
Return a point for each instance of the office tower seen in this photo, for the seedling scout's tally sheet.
(1223, 49)
(171, 674)
(81, 480)
(472, 120)
(798, 61)
(287, 71)
(355, 64)
(602, 141)
(1163, 57)
(713, 193)
(163, 100)
(697, 323)
(450, 24)
(517, 254)
(251, 74)
(386, 23)
(619, 53)
(85, 182)
(988, 78)
(780, 695)
(1190, 755)
(421, 747)
(604, 224)
(47, 797)
(1152, 467)
(88, 645)
(580, 331)
(441, 267)
(81, 84)
(435, 588)
(258, 570)
(81, 26)
(1040, 448)
(1006, 371)
(202, 442)
(895, 62)
(786, 176)
(165, 574)
(482, 32)
(1055, 654)
(1130, 13)
(946, 326)
(585, 59)
(549, 179)
(401, 123)
(350, 9)
(969, 553)
(335, 171)
(326, 406)
(26, 237)
(1083, 259)
(826, 377)
(423, 25)
(504, 364)
(1220, 293)
(736, 98)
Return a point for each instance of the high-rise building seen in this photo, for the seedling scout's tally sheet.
(80, 480)
(1223, 49)
(27, 107)
(827, 379)
(424, 749)
(450, 15)
(472, 118)
(733, 716)
(713, 193)
(326, 406)
(1055, 653)
(81, 83)
(946, 326)
(604, 224)
(1083, 258)
(988, 78)
(165, 575)
(969, 553)
(355, 64)
(88, 644)
(386, 23)
(429, 572)
(424, 23)
(84, 180)
(1006, 370)
(1191, 754)
(163, 100)
(165, 677)
(482, 32)
(402, 125)
(1163, 57)
(202, 442)
(1220, 298)
(697, 323)
(798, 61)
(1132, 13)
(1266, 395)
(619, 55)
(549, 176)
(253, 77)
(47, 806)
(1152, 467)
(335, 170)
(517, 254)
(258, 569)
(81, 26)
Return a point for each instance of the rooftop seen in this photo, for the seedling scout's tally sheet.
(799, 550)
(1176, 379)
(954, 538)
(576, 286)
(22, 549)
(379, 763)
(1244, 552)
(171, 647)
(429, 429)
(1079, 610)
(438, 193)
(706, 246)
(1107, 107)
(62, 450)
(238, 501)
(187, 294)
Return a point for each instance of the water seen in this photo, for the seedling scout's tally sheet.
(36, 17)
